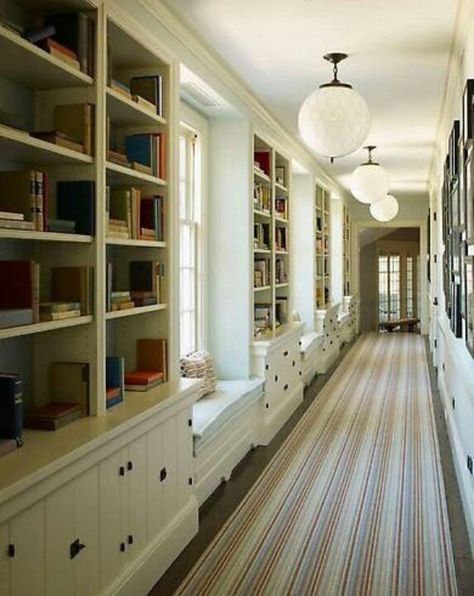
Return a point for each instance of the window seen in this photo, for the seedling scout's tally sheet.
(189, 231)
(397, 287)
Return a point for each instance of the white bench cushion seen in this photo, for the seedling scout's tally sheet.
(213, 410)
(309, 340)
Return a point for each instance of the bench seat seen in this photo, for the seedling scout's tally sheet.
(310, 345)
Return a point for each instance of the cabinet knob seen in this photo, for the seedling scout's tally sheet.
(163, 474)
(122, 547)
(130, 539)
(190, 481)
(190, 422)
(11, 551)
(285, 353)
(122, 471)
(285, 387)
(130, 465)
(75, 548)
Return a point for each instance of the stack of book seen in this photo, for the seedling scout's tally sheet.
(70, 383)
(261, 235)
(281, 271)
(73, 285)
(121, 88)
(152, 369)
(69, 37)
(24, 193)
(75, 204)
(152, 218)
(57, 311)
(281, 207)
(73, 128)
(262, 318)
(280, 238)
(262, 161)
(118, 157)
(281, 311)
(261, 273)
(147, 91)
(261, 197)
(19, 298)
(114, 380)
(11, 412)
(129, 215)
(53, 415)
(147, 153)
(147, 282)
(121, 301)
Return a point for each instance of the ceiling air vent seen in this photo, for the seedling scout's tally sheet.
(191, 90)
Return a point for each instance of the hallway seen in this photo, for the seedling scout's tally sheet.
(354, 500)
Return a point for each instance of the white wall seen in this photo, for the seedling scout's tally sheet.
(337, 250)
(454, 364)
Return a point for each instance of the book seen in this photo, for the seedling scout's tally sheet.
(70, 382)
(73, 284)
(152, 356)
(59, 316)
(61, 225)
(150, 88)
(54, 307)
(147, 276)
(15, 317)
(114, 378)
(120, 88)
(36, 33)
(74, 31)
(142, 377)
(58, 138)
(138, 387)
(146, 150)
(113, 396)
(12, 215)
(76, 202)
(263, 160)
(76, 122)
(118, 157)
(18, 193)
(39, 200)
(53, 415)
(7, 446)
(141, 167)
(122, 305)
(14, 224)
(11, 407)
(59, 51)
(143, 103)
(22, 291)
(152, 215)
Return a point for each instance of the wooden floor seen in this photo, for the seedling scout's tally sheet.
(353, 502)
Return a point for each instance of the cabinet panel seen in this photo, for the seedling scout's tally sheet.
(4, 561)
(155, 466)
(137, 495)
(59, 523)
(184, 452)
(110, 488)
(28, 564)
(87, 531)
(169, 482)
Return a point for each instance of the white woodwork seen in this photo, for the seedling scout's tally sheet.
(4, 560)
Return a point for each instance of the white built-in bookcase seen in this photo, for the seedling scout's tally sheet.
(32, 82)
(346, 239)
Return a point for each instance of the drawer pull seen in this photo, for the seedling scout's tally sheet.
(267, 406)
(190, 422)
(122, 471)
(163, 474)
(122, 547)
(276, 378)
(11, 551)
(190, 481)
(130, 465)
(75, 548)
(285, 353)
(130, 539)
(294, 363)
(267, 366)
(286, 387)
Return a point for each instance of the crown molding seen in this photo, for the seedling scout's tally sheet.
(257, 112)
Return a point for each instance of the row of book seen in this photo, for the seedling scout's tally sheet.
(262, 318)
(25, 197)
(322, 245)
(144, 152)
(71, 293)
(69, 37)
(146, 286)
(261, 235)
(131, 215)
(281, 311)
(73, 128)
(281, 238)
(146, 91)
(281, 271)
(281, 207)
(262, 161)
(262, 197)
(262, 273)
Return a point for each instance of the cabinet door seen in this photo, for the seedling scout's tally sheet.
(169, 481)
(111, 489)
(4, 561)
(59, 512)
(137, 496)
(86, 494)
(184, 452)
(155, 472)
(28, 564)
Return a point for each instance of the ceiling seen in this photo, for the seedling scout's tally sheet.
(399, 52)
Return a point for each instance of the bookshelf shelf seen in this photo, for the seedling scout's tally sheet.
(7, 234)
(281, 187)
(279, 286)
(281, 220)
(21, 147)
(263, 214)
(281, 252)
(134, 242)
(262, 289)
(43, 327)
(126, 112)
(34, 68)
(139, 310)
(322, 256)
(118, 174)
(263, 251)
(261, 176)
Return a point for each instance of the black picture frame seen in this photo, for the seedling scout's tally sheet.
(469, 196)
(469, 303)
(467, 114)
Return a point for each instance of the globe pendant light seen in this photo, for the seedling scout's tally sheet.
(385, 209)
(334, 120)
(370, 182)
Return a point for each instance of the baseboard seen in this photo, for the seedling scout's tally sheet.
(270, 425)
(142, 574)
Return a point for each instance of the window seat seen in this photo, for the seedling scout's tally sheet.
(310, 346)
(224, 429)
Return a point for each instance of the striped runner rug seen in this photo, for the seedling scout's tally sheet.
(353, 502)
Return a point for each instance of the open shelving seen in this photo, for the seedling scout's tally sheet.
(322, 248)
(346, 249)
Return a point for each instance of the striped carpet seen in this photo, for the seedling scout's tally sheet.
(353, 502)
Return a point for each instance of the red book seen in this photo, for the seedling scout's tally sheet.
(112, 393)
(142, 377)
(19, 291)
(49, 43)
(263, 158)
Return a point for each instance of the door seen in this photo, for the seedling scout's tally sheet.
(86, 495)
(4, 560)
(137, 496)
(155, 466)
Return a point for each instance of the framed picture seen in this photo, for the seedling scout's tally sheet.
(469, 303)
(280, 175)
(467, 114)
(462, 288)
(461, 185)
(469, 196)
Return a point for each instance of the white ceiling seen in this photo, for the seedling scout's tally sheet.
(399, 51)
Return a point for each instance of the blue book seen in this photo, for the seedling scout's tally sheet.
(11, 407)
(76, 202)
(114, 378)
(139, 148)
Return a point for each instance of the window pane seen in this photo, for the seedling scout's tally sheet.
(182, 177)
(187, 281)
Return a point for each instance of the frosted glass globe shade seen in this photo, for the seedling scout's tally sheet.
(370, 183)
(385, 209)
(334, 121)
